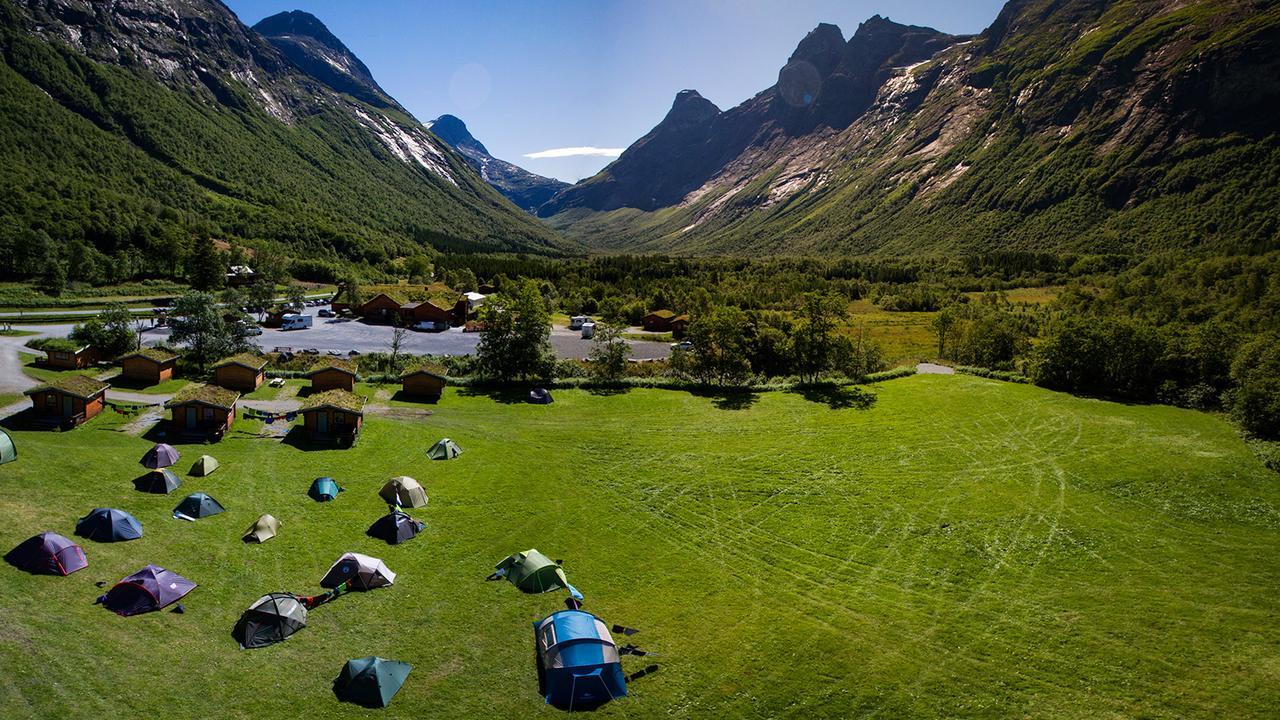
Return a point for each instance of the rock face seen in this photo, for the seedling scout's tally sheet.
(175, 109)
(1080, 125)
(526, 190)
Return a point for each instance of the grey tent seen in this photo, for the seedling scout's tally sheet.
(269, 620)
(533, 572)
(262, 530)
(161, 482)
(197, 505)
(404, 492)
(360, 572)
(444, 449)
(204, 465)
(370, 681)
(8, 451)
(540, 396)
(395, 527)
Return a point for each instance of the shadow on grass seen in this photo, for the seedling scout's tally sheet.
(837, 397)
(404, 397)
(119, 381)
(504, 395)
(608, 391)
(299, 438)
(728, 399)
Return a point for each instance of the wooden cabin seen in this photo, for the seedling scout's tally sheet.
(425, 311)
(423, 383)
(148, 365)
(658, 321)
(679, 326)
(67, 401)
(333, 416)
(332, 373)
(203, 412)
(381, 308)
(65, 355)
(243, 372)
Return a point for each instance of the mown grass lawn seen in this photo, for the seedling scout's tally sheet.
(942, 547)
(33, 367)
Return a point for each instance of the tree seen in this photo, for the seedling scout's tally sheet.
(205, 268)
(296, 295)
(514, 343)
(272, 266)
(418, 267)
(54, 278)
(609, 352)
(111, 333)
(1256, 399)
(814, 342)
(197, 323)
(397, 339)
(233, 297)
(260, 294)
(941, 325)
(348, 291)
(720, 347)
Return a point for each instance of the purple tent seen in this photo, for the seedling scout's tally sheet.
(160, 456)
(47, 553)
(151, 588)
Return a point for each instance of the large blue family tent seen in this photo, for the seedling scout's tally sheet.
(578, 663)
(324, 489)
(108, 525)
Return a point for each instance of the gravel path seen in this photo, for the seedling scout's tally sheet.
(934, 369)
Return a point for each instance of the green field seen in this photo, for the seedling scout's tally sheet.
(935, 546)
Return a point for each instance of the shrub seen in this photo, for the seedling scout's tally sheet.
(1255, 403)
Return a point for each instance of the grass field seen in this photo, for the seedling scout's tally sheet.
(936, 546)
(33, 367)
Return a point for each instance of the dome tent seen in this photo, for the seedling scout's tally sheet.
(360, 572)
(403, 491)
(47, 554)
(540, 396)
(8, 451)
(579, 667)
(370, 681)
(197, 505)
(108, 525)
(269, 620)
(444, 449)
(533, 572)
(324, 489)
(151, 588)
(160, 482)
(395, 527)
(204, 465)
(160, 456)
(262, 529)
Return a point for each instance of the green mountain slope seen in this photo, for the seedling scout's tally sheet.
(134, 128)
(1077, 125)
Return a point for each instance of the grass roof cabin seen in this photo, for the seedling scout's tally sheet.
(67, 401)
(148, 366)
(333, 416)
(243, 372)
(425, 383)
(65, 354)
(203, 412)
(658, 321)
(332, 373)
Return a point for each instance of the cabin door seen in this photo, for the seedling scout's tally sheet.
(191, 418)
(67, 407)
(322, 422)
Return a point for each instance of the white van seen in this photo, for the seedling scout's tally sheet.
(295, 322)
(588, 330)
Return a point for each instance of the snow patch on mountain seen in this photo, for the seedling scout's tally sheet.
(407, 145)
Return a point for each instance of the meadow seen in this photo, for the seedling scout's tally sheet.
(934, 546)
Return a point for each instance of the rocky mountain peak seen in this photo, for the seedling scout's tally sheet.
(301, 37)
(690, 107)
(822, 48)
(452, 130)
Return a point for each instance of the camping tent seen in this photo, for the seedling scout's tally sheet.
(47, 554)
(444, 449)
(8, 451)
(151, 588)
(540, 396)
(370, 681)
(160, 456)
(324, 489)
(404, 492)
(395, 527)
(269, 620)
(161, 482)
(578, 663)
(197, 505)
(533, 572)
(108, 525)
(262, 530)
(205, 465)
(361, 572)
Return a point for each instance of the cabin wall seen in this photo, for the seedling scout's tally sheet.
(332, 380)
(144, 370)
(238, 377)
(424, 386)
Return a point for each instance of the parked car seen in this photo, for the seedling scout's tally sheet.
(429, 326)
(682, 345)
(253, 330)
(326, 312)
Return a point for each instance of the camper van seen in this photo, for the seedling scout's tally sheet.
(576, 322)
(295, 322)
(588, 330)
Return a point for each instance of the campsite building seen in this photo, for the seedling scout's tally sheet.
(68, 401)
(679, 326)
(381, 308)
(148, 365)
(332, 373)
(658, 321)
(66, 355)
(423, 383)
(243, 372)
(333, 415)
(203, 411)
(425, 311)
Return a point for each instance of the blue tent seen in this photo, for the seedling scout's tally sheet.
(108, 525)
(578, 663)
(324, 489)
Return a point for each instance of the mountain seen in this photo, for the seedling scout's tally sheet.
(523, 188)
(128, 128)
(1068, 125)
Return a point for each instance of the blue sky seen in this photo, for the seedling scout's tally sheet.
(534, 76)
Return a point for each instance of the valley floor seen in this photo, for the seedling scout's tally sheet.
(935, 546)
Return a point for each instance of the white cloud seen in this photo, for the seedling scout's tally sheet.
(575, 152)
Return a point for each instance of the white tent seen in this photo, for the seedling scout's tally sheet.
(361, 572)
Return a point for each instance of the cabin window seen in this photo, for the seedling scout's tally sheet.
(208, 414)
(339, 418)
(50, 401)
(549, 636)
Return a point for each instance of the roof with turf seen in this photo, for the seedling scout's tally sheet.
(212, 395)
(333, 363)
(248, 360)
(80, 386)
(154, 354)
(338, 399)
(434, 371)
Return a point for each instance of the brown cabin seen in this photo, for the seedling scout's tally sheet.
(679, 326)
(658, 321)
(381, 308)
(333, 416)
(203, 411)
(68, 401)
(70, 358)
(148, 366)
(243, 372)
(423, 383)
(333, 373)
(425, 311)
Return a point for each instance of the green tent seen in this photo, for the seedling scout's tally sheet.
(370, 681)
(445, 449)
(8, 451)
(262, 530)
(533, 572)
(205, 465)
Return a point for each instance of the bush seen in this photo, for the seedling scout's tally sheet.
(1255, 402)
(1005, 375)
